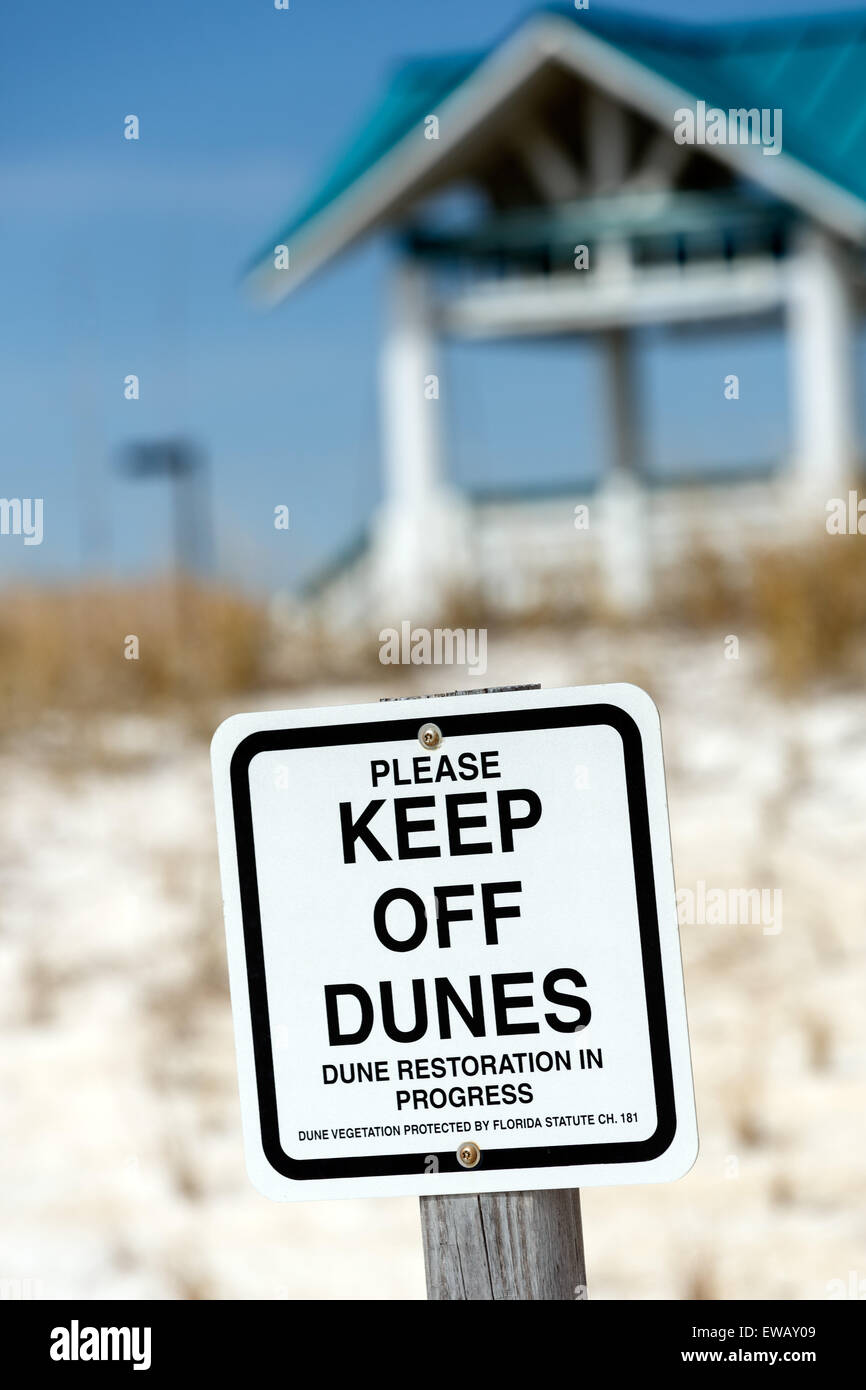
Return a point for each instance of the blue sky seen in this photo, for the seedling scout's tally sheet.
(121, 256)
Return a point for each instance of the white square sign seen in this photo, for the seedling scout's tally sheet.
(453, 949)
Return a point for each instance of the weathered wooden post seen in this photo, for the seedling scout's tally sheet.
(504, 1245)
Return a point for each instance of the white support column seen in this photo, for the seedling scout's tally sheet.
(822, 370)
(622, 501)
(420, 551)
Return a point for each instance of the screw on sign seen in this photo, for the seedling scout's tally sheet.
(455, 966)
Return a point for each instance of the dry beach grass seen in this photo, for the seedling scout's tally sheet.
(63, 648)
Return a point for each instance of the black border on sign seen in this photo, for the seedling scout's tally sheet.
(456, 726)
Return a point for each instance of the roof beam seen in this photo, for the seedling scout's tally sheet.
(608, 144)
(662, 163)
(549, 165)
(563, 303)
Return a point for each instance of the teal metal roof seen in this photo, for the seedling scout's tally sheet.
(416, 88)
(813, 67)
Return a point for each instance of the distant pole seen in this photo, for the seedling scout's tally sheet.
(186, 466)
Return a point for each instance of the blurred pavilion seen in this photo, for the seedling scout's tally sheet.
(566, 130)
